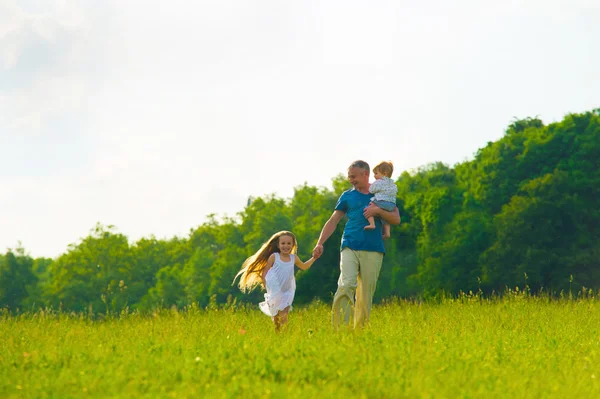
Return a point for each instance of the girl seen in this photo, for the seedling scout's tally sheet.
(272, 267)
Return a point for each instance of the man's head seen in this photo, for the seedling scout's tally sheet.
(358, 175)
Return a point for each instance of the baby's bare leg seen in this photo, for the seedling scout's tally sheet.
(386, 231)
(371, 220)
(371, 225)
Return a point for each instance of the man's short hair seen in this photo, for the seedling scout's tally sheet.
(361, 165)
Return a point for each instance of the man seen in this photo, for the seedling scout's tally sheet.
(361, 250)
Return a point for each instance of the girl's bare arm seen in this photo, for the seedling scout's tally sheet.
(304, 265)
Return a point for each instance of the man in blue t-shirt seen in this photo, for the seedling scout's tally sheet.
(361, 250)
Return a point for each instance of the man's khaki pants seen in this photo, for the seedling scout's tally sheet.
(359, 271)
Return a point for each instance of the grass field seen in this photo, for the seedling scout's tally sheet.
(516, 347)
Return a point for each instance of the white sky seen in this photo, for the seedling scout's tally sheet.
(150, 115)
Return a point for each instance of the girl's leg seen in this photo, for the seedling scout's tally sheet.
(281, 318)
(284, 316)
(276, 322)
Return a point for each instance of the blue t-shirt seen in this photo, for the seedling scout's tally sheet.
(352, 203)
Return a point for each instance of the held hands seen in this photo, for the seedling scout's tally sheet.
(318, 251)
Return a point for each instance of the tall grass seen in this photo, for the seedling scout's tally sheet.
(466, 347)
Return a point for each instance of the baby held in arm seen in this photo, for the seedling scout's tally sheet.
(384, 192)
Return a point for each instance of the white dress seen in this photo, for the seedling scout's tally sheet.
(281, 286)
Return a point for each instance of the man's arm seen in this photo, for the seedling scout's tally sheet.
(392, 217)
(327, 231)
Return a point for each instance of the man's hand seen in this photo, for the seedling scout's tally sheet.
(318, 251)
(371, 211)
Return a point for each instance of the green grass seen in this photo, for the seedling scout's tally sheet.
(519, 346)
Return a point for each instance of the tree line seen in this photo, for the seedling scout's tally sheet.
(523, 212)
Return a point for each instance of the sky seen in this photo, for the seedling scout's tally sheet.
(151, 115)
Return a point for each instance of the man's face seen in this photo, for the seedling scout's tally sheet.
(358, 177)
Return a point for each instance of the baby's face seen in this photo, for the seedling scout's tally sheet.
(377, 175)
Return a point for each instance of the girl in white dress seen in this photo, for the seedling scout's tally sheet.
(272, 267)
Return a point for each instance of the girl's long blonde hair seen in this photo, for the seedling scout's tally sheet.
(252, 268)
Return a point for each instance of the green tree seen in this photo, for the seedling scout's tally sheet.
(169, 289)
(94, 273)
(16, 279)
(310, 208)
(196, 276)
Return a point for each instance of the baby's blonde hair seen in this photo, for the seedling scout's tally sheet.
(252, 268)
(386, 168)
